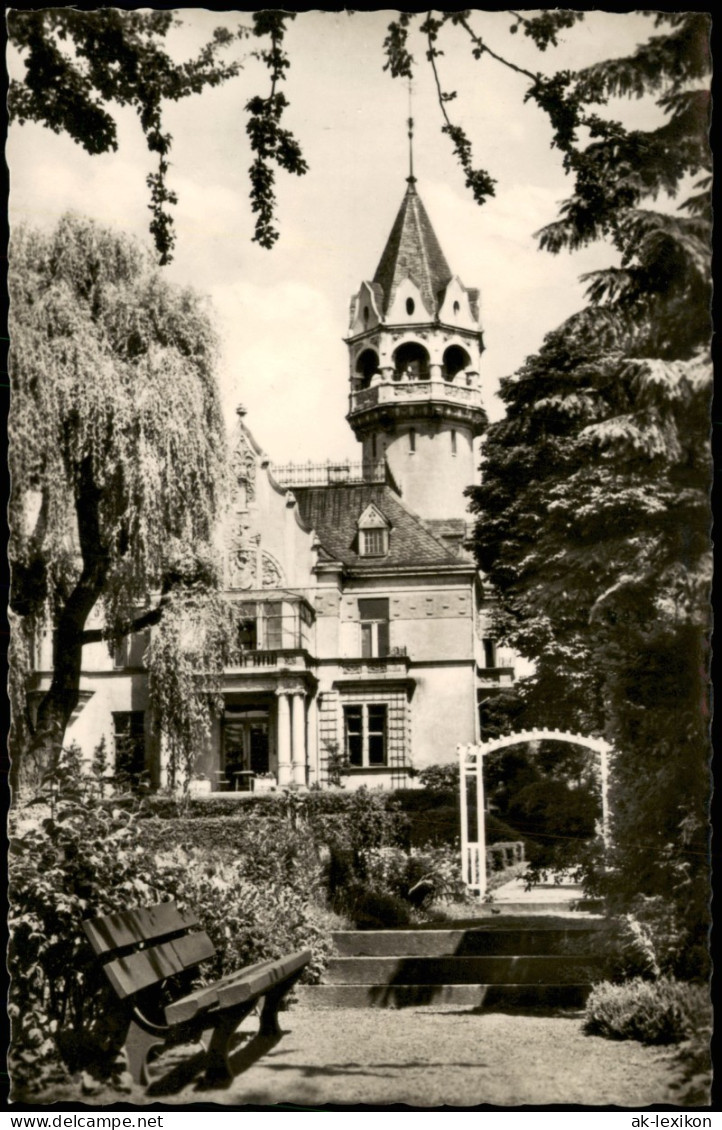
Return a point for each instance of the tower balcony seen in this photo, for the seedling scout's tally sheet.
(418, 398)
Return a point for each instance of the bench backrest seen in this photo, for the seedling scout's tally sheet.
(146, 945)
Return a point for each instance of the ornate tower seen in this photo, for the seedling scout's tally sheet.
(415, 345)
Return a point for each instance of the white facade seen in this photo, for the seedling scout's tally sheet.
(362, 617)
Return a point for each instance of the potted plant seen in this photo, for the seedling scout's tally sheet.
(264, 783)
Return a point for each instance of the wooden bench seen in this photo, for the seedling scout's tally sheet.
(142, 949)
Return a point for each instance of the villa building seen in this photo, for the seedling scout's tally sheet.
(363, 618)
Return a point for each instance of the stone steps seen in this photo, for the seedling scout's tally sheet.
(505, 961)
(493, 940)
(495, 970)
(467, 996)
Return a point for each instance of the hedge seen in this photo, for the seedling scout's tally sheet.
(408, 817)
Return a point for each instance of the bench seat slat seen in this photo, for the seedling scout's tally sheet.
(206, 997)
(131, 927)
(254, 982)
(136, 971)
(145, 946)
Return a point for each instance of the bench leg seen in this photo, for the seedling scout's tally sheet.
(216, 1040)
(269, 1025)
(138, 1044)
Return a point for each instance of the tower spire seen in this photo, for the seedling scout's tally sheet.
(411, 178)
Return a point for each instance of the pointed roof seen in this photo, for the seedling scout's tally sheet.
(412, 250)
(333, 512)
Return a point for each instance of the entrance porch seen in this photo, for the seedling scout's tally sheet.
(266, 736)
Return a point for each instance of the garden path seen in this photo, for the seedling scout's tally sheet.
(432, 1057)
(447, 1056)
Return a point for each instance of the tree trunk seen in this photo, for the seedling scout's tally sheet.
(62, 697)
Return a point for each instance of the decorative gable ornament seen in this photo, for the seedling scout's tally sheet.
(243, 469)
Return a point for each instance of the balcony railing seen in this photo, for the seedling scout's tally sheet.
(395, 663)
(294, 658)
(318, 474)
(495, 676)
(259, 658)
(409, 392)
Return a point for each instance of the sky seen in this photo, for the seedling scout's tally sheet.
(282, 314)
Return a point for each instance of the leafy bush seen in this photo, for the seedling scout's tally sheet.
(375, 909)
(78, 860)
(76, 856)
(654, 1012)
(249, 920)
(419, 876)
(266, 849)
(358, 820)
(550, 809)
(433, 815)
(440, 778)
(667, 941)
(362, 818)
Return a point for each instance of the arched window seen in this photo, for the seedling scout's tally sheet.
(410, 306)
(367, 364)
(455, 360)
(411, 360)
(457, 308)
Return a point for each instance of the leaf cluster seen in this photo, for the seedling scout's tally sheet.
(73, 857)
(77, 854)
(271, 143)
(80, 66)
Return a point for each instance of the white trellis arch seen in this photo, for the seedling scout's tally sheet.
(471, 763)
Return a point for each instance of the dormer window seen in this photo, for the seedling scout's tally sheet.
(374, 543)
(373, 533)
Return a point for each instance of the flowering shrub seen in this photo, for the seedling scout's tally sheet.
(654, 1012)
(266, 849)
(249, 920)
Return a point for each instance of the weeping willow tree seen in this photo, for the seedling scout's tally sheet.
(117, 453)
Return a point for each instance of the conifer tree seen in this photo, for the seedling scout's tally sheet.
(593, 510)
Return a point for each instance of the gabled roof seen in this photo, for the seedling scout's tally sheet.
(333, 512)
(413, 251)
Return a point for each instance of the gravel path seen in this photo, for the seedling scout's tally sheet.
(439, 1056)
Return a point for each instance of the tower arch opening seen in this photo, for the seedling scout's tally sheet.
(456, 360)
(367, 364)
(412, 361)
